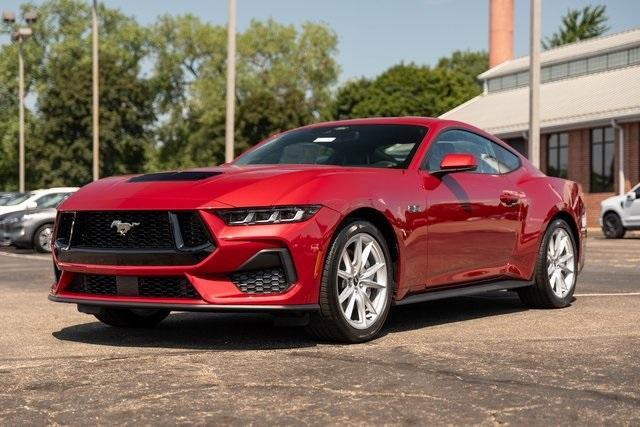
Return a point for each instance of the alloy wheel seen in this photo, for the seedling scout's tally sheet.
(44, 238)
(362, 281)
(561, 263)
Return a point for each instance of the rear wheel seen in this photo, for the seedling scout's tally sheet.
(612, 226)
(357, 286)
(556, 269)
(126, 318)
(42, 238)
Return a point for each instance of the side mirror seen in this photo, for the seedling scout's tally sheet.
(456, 162)
(631, 196)
(31, 205)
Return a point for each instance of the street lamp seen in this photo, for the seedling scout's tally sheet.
(19, 34)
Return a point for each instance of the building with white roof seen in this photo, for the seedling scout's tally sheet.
(589, 112)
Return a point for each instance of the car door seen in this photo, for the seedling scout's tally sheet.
(472, 217)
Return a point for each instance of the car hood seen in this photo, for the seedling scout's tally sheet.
(613, 200)
(220, 187)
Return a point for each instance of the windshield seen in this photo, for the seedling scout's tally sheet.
(381, 146)
(18, 199)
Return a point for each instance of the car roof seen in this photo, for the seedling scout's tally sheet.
(55, 190)
(405, 120)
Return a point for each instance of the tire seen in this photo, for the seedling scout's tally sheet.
(544, 293)
(332, 322)
(612, 226)
(41, 237)
(126, 318)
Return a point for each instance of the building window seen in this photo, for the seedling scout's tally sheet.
(563, 70)
(558, 155)
(602, 154)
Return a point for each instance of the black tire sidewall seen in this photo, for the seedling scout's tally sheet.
(542, 276)
(619, 229)
(349, 230)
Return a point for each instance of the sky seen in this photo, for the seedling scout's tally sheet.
(375, 34)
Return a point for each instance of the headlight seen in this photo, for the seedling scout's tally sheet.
(272, 215)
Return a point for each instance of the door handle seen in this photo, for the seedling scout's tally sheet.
(510, 198)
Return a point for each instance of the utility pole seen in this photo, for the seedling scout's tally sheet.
(21, 185)
(96, 103)
(534, 86)
(19, 35)
(231, 83)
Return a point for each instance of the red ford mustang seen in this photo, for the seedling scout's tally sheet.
(338, 221)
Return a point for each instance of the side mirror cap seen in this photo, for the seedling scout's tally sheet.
(31, 205)
(631, 195)
(456, 162)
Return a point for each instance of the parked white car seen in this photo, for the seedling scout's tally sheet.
(620, 213)
(36, 199)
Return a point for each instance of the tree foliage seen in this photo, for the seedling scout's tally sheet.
(284, 76)
(162, 91)
(410, 89)
(579, 25)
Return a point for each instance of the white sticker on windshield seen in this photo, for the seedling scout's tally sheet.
(325, 139)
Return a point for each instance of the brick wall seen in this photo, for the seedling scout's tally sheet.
(631, 154)
(580, 157)
(592, 202)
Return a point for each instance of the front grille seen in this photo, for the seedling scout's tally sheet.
(150, 230)
(265, 281)
(94, 284)
(151, 286)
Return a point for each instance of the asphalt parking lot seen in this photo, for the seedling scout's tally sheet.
(475, 360)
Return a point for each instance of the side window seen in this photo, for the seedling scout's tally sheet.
(51, 200)
(459, 141)
(507, 161)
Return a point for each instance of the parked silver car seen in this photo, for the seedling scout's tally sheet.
(31, 228)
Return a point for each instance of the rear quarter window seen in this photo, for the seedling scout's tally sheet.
(507, 161)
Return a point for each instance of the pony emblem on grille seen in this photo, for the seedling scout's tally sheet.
(123, 227)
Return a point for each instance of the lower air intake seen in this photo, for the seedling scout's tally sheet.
(154, 287)
(266, 281)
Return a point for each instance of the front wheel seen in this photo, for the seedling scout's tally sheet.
(357, 286)
(126, 318)
(556, 269)
(42, 238)
(612, 226)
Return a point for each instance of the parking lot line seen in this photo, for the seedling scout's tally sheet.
(610, 294)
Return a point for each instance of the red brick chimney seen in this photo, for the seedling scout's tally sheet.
(500, 31)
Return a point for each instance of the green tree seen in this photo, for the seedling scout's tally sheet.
(579, 25)
(410, 89)
(284, 76)
(58, 58)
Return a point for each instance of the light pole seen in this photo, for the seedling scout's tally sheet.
(20, 35)
(534, 86)
(96, 104)
(231, 83)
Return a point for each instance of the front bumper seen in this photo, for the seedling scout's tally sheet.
(13, 233)
(235, 247)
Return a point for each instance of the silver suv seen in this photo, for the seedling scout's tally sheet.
(620, 213)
